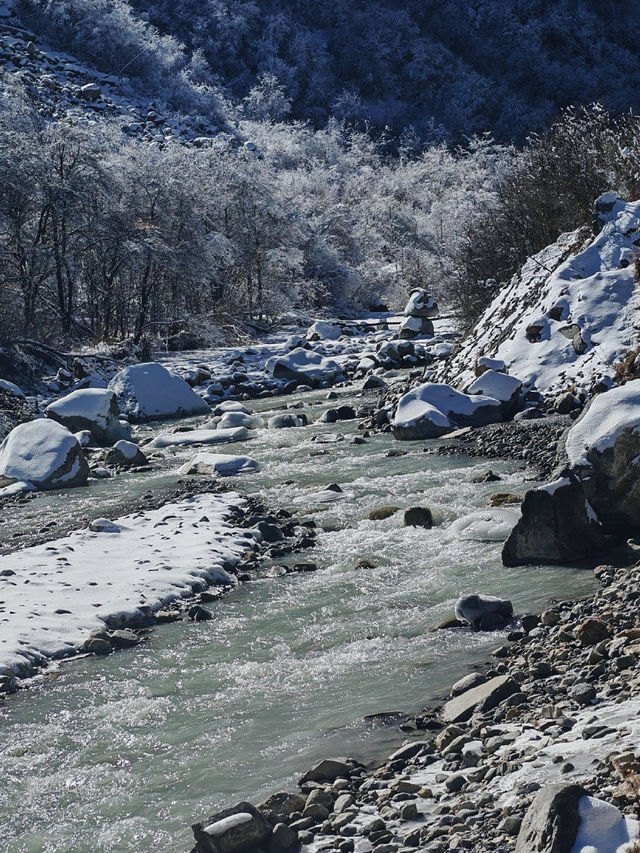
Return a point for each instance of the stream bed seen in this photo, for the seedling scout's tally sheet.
(123, 753)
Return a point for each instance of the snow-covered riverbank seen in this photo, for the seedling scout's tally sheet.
(116, 574)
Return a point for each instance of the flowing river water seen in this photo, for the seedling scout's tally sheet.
(123, 753)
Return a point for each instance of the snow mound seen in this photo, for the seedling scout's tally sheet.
(92, 409)
(44, 454)
(431, 410)
(209, 464)
(571, 312)
(608, 416)
(603, 828)
(200, 436)
(148, 391)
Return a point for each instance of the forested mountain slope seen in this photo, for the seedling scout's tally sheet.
(448, 69)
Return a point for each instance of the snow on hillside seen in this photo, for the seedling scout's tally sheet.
(568, 316)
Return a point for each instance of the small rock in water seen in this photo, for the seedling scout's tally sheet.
(418, 516)
(199, 614)
(488, 477)
(382, 512)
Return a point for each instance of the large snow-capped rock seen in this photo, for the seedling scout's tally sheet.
(323, 331)
(93, 409)
(148, 391)
(42, 454)
(501, 387)
(571, 312)
(420, 304)
(603, 449)
(431, 410)
(305, 367)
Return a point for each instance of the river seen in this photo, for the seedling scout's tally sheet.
(123, 753)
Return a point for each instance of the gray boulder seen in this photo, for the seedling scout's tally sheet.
(557, 525)
(234, 830)
(552, 821)
(485, 696)
(327, 770)
(484, 612)
(280, 806)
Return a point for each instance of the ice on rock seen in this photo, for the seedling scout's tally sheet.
(486, 525)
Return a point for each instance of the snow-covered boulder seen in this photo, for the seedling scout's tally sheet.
(304, 367)
(125, 454)
(210, 464)
(501, 387)
(200, 436)
(558, 525)
(484, 363)
(42, 453)
(571, 312)
(603, 449)
(5, 385)
(431, 410)
(412, 327)
(322, 331)
(420, 304)
(149, 391)
(92, 409)
(286, 421)
(240, 419)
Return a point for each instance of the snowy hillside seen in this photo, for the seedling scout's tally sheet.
(570, 314)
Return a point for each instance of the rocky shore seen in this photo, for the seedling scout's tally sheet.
(535, 442)
(505, 764)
